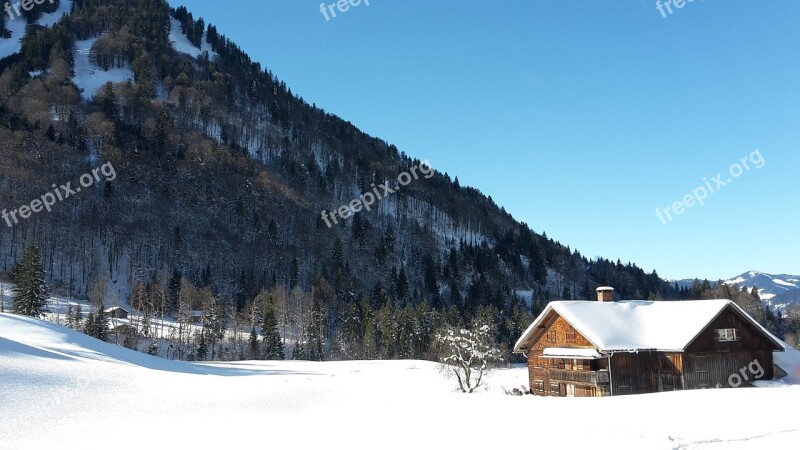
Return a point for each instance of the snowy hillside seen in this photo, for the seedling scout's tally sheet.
(11, 45)
(61, 389)
(50, 19)
(16, 26)
(182, 44)
(88, 77)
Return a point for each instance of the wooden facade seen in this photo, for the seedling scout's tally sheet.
(574, 377)
(713, 359)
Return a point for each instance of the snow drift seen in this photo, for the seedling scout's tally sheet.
(62, 389)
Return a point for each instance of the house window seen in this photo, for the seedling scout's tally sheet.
(561, 363)
(571, 335)
(727, 334)
(604, 391)
(554, 389)
(702, 364)
(538, 385)
(537, 361)
(552, 336)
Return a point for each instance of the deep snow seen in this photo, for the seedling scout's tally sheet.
(62, 389)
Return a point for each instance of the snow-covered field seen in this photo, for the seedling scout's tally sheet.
(62, 389)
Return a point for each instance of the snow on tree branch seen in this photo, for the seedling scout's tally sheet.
(468, 353)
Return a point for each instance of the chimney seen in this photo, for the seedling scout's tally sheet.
(605, 294)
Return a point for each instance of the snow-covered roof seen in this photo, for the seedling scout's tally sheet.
(577, 353)
(114, 308)
(635, 325)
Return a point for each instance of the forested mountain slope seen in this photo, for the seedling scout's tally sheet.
(220, 174)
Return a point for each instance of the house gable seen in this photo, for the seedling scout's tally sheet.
(557, 332)
(750, 336)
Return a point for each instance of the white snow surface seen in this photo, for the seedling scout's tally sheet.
(48, 20)
(13, 44)
(62, 389)
(783, 283)
(181, 43)
(637, 324)
(88, 77)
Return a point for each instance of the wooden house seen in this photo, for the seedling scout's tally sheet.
(602, 348)
(117, 312)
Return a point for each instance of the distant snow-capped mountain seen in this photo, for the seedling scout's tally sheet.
(778, 291)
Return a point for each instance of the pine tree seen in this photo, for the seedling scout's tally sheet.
(89, 327)
(401, 287)
(294, 273)
(30, 293)
(315, 338)
(297, 352)
(3, 32)
(101, 329)
(254, 353)
(70, 323)
(77, 317)
(272, 348)
(202, 347)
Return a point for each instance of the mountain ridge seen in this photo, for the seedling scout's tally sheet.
(777, 290)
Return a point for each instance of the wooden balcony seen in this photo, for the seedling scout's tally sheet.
(593, 378)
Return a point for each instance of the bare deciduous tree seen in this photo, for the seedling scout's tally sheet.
(468, 354)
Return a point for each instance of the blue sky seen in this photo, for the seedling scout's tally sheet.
(579, 117)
